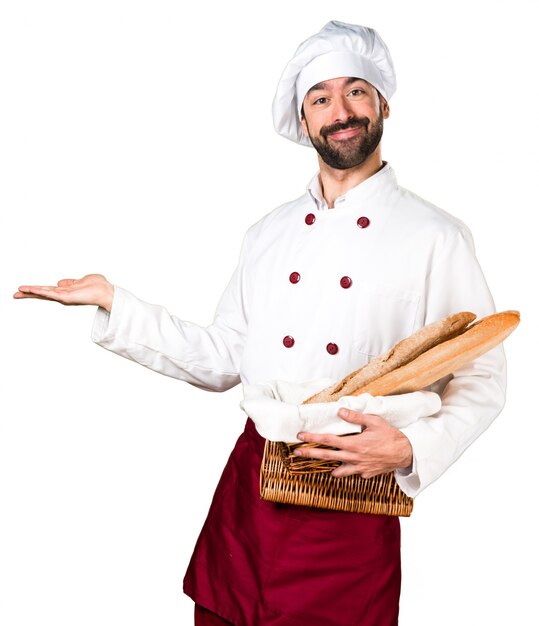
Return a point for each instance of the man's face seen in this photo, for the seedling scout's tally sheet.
(344, 119)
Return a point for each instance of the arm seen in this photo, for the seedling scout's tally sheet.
(474, 396)
(471, 398)
(208, 357)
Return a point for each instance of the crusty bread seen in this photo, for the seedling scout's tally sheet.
(447, 351)
(446, 357)
(401, 354)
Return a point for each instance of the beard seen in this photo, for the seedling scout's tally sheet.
(347, 153)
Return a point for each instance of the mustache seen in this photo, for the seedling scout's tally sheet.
(355, 122)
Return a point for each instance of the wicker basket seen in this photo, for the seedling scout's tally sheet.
(380, 495)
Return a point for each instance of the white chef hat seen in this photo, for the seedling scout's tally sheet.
(338, 50)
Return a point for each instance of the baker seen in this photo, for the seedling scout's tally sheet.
(323, 283)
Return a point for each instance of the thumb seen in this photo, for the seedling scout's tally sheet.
(355, 417)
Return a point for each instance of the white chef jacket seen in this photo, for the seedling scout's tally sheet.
(317, 293)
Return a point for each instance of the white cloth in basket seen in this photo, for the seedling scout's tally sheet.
(279, 415)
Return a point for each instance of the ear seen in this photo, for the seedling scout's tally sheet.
(384, 106)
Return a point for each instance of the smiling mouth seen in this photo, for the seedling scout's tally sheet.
(345, 134)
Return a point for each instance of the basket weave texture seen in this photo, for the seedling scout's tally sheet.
(379, 495)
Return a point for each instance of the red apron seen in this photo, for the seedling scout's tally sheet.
(258, 563)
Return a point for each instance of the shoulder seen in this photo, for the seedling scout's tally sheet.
(414, 213)
(431, 215)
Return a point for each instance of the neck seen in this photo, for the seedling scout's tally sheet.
(335, 182)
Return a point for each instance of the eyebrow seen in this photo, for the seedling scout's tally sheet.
(323, 85)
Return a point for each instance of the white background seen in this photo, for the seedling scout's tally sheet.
(137, 141)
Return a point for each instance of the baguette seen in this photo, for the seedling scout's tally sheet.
(401, 354)
(448, 353)
(446, 357)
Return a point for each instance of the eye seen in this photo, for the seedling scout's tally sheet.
(321, 100)
(357, 91)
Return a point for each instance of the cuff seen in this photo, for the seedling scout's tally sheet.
(429, 457)
(408, 479)
(106, 324)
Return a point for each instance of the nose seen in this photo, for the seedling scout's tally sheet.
(341, 110)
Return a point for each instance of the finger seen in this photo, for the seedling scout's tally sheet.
(31, 288)
(46, 292)
(345, 469)
(325, 454)
(21, 296)
(325, 439)
(37, 289)
(342, 442)
(349, 469)
(66, 282)
(355, 417)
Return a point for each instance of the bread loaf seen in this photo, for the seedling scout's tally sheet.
(446, 357)
(401, 354)
(428, 355)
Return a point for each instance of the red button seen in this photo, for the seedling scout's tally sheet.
(288, 341)
(294, 277)
(332, 348)
(363, 222)
(310, 219)
(346, 282)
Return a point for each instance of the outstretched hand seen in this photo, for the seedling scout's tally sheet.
(91, 289)
(377, 449)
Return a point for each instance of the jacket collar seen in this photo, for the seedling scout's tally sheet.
(382, 182)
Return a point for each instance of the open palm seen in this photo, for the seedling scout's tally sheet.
(91, 289)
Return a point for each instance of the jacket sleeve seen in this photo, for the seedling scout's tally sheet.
(207, 357)
(472, 396)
